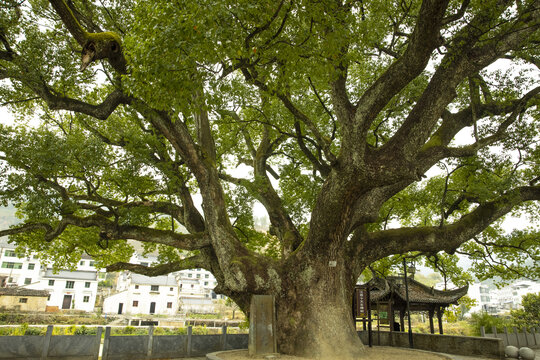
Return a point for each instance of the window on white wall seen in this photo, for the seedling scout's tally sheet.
(70, 284)
(11, 265)
(31, 266)
(87, 284)
(86, 299)
(51, 282)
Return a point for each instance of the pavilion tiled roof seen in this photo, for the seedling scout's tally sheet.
(418, 292)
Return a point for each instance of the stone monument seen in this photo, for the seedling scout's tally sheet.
(262, 326)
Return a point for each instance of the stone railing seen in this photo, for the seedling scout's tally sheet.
(529, 338)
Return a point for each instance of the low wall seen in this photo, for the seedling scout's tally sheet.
(169, 346)
(458, 345)
(529, 338)
(87, 347)
(83, 347)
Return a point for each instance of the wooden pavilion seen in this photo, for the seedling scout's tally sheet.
(388, 296)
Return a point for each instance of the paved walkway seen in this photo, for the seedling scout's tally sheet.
(454, 357)
(461, 357)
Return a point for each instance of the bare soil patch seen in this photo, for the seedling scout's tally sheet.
(375, 353)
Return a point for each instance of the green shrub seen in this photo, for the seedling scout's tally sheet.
(200, 330)
(160, 331)
(35, 331)
(11, 319)
(244, 325)
(70, 330)
(529, 316)
(180, 331)
(487, 321)
(83, 330)
(202, 316)
(129, 330)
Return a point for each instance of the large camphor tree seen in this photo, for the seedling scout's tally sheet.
(164, 122)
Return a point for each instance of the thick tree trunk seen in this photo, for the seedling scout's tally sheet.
(314, 314)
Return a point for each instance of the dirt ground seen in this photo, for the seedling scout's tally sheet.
(378, 353)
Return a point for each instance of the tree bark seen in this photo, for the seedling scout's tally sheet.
(314, 315)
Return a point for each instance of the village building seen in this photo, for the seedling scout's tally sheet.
(197, 291)
(196, 286)
(67, 290)
(139, 294)
(17, 269)
(21, 299)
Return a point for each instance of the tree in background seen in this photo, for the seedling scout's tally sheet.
(529, 315)
(457, 312)
(480, 319)
(164, 122)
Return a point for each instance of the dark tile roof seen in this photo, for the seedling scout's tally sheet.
(17, 291)
(74, 275)
(418, 292)
(165, 280)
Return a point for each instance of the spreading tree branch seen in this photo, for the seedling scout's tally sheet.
(192, 262)
(111, 230)
(437, 147)
(424, 39)
(449, 237)
(463, 60)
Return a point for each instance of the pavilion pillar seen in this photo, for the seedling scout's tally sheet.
(431, 327)
(402, 319)
(439, 319)
(391, 312)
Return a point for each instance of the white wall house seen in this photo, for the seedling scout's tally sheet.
(139, 294)
(15, 269)
(510, 296)
(500, 301)
(486, 298)
(67, 289)
(196, 286)
(197, 291)
(75, 290)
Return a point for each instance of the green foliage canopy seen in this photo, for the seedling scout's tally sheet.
(367, 130)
